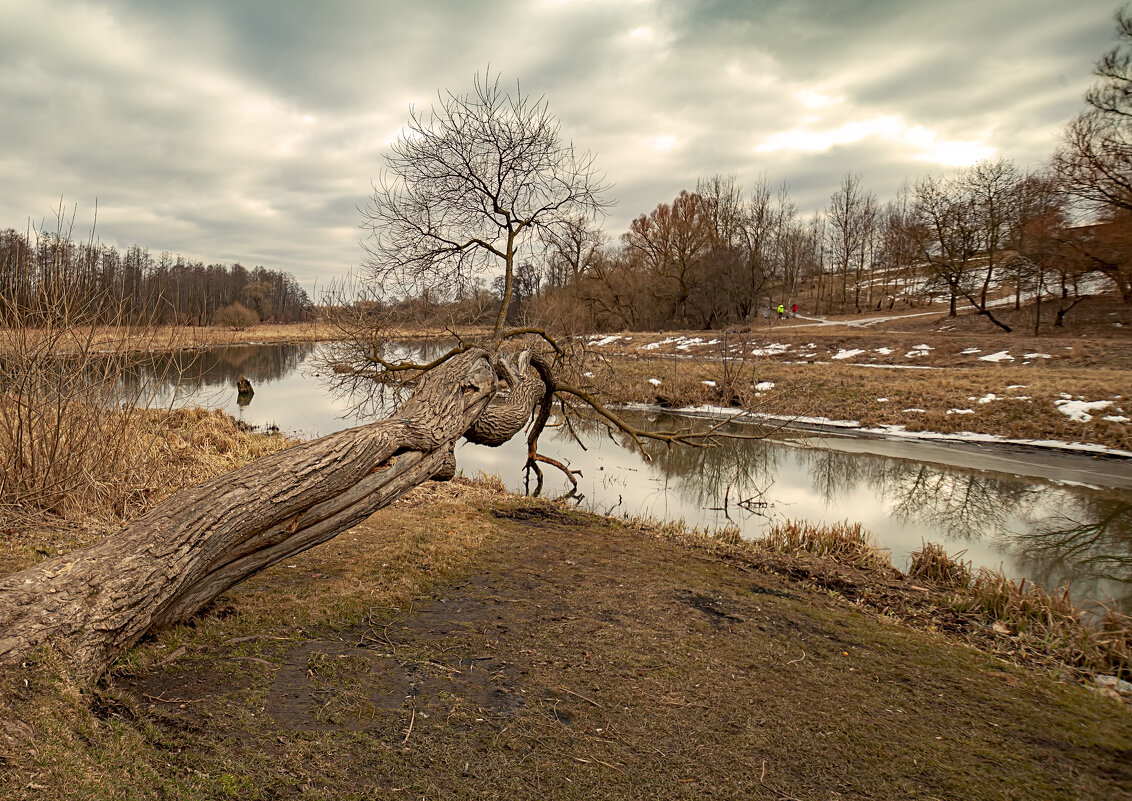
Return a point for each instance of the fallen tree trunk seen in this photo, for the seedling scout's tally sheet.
(93, 604)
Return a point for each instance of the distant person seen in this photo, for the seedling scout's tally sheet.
(794, 310)
(781, 310)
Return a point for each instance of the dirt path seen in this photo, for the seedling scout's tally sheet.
(577, 659)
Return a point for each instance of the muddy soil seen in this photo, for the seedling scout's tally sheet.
(577, 658)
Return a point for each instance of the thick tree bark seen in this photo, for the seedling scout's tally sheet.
(93, 604)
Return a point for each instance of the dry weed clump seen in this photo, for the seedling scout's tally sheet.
(842, 542)
(192, 445)
(932, 563)
(1050, 623)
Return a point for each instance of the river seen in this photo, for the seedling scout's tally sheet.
(1052, 518)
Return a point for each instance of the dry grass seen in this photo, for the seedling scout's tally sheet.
(848, 543)
(1014, 620)
(1012, 402)
(933, 564)
(162, 452)
(525, 650)
(1049, 623)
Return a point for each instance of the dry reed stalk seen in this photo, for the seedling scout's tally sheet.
(931, 562)
(847, 542)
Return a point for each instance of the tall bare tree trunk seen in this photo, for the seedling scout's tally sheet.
(93, 604)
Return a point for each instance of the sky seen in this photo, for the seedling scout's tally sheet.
(252, 130)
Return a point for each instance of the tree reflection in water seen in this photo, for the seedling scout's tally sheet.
(1054, 534)
(1088, 535)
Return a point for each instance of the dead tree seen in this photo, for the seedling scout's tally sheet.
(93, 604)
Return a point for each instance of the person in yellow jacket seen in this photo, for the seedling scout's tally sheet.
(781, 310)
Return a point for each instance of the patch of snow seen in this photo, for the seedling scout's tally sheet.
(970, 351)
(847, 354)
(1078, 411)
(1019, 397)
(990, 396)
(588, 374)
(774, 349)
(960, 436)
(1115, 418)
(1017, 386)
(884, 351)
(655, 345)
(960, 411)
(597, 343)
(655, 382)
(708, 383)
(1036, 356)
(882, 400)
(1001, 356)
(920, 411)
(764, 386)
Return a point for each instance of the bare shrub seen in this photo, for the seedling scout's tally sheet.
(236, 316)
(72, 440)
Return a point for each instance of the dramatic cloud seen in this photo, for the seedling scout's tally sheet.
(250, 131)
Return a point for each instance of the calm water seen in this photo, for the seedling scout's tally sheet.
(1051, 519)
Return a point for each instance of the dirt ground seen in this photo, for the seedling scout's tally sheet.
(508, 649)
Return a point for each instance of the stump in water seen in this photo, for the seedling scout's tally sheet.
(93, 604)
(244, 391)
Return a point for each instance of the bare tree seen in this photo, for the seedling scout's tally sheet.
(947, 230)
(470, 186)
(1095, 164)
(993, 188)
(852, 221)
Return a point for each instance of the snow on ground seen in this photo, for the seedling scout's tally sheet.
(661, 343)
(1078, 410)
(847, 354)
(603, 341)
(970, 352)
(774, 349)
(1001, 356)
(764, 386)
(655, 382)
(1036, 356)
(895, 431)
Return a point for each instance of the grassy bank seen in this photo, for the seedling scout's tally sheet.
(1012, 402)
(156, 454)
(468, 644)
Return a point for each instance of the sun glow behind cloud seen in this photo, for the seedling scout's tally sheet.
(925, 144)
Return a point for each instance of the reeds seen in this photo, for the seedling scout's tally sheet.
(843, 542)
(1050, 623)
(1034, 619)
(932, 563)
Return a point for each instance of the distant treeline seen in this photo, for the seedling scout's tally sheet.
(42, 272)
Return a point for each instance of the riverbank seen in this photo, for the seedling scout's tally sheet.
(467, 643)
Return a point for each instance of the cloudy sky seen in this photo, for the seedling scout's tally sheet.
(250, 130)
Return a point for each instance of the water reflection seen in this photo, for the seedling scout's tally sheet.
(1034, 527)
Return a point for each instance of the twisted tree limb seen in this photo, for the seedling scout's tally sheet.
(93, 604)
